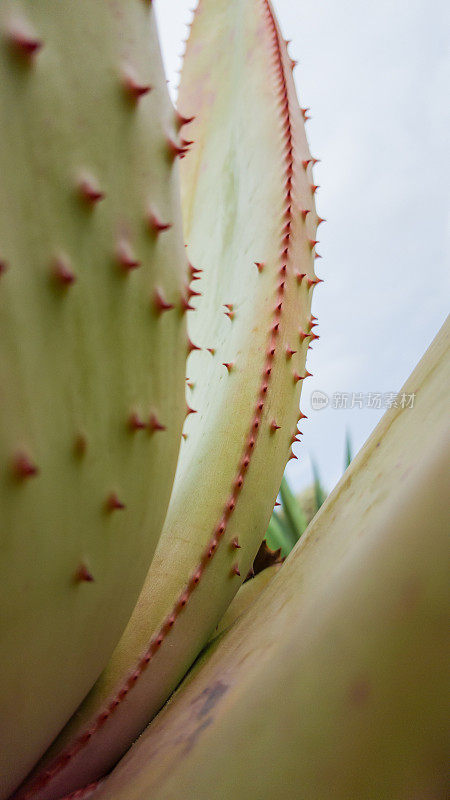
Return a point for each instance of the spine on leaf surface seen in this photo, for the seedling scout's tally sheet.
(250, 224)
(89, 359)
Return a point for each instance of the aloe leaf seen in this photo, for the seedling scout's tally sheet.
(276, 536)
(319, 492)
(92, 348)
(293, 512)
(348, 450)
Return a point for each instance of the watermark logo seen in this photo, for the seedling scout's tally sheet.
(319, 400)
(348, 400)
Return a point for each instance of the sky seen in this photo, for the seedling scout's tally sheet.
(376, 77)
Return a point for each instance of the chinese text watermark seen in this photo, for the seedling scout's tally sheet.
(375, 400)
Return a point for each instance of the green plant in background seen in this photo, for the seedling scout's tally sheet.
(286, 528)
(141, 462)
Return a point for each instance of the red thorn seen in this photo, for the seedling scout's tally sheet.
(277, 504)
(180, 120)
(292, 456)
(90, 191)
(314, 281)
(297, 377)
(135, 422)
(62, 272)
(191, 346)
(190, 384)
(313, 336)
(174, 149)
(83, 575)
(304, 212)
(239, 482)
(229, 365)
(302, 416)
(80, 445)
(192, 293)
(195, 578)
(221, 528)
(229, 306)
(154, 424)
(184, 436)
(113, 503)
(234, 544)
(211, 350)
(290, 352)
(303, 335)
(306, 162)
(185, 305)
(305, 113)
(194, 272)
(314, 188)
(312, 243)
(317, 255)
(313, 317)
(24, 467)
(187, 142)
(230, 314)
(191, 411)
(260, 265)
(320, 220)
(293, 64)
(316, 161)
(235, 570)
(274, 427)
(125, 256)
(24, 41)
(155, 224)
(300, 276)
(307, 375)
(133, 86)
(160, 304)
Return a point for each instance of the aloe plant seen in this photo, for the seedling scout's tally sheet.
(117, 570)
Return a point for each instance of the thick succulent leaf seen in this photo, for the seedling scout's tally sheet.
(248, 196)
(335, 682)
(89, 361)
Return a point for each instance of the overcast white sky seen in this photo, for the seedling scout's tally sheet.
(377, 79)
